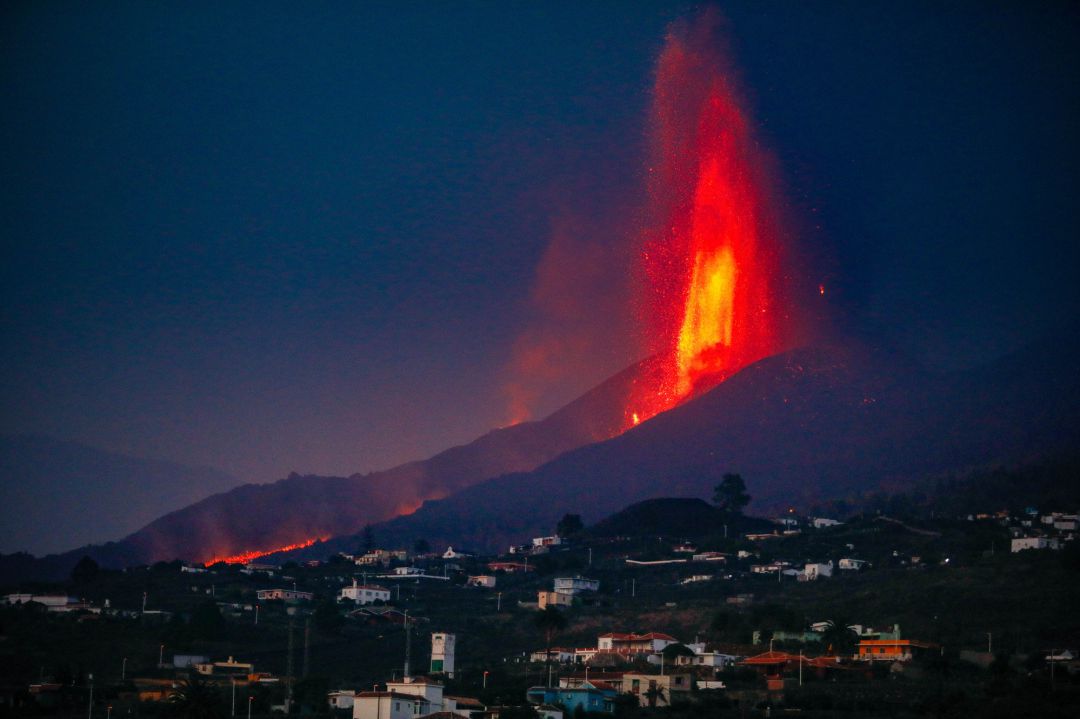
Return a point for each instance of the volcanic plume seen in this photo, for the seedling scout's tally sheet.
(712, 304)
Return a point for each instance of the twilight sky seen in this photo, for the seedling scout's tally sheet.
(275, 236)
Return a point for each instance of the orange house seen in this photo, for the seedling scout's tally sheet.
(891, 650)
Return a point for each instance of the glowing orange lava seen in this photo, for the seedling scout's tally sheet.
(714, 263)
(246, 557)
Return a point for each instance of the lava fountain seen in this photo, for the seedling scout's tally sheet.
(712, 264)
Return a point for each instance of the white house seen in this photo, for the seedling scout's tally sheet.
(574, 585)
(814, 570)
(1021, 543)
(822, 522)
(559, 655)
(364, 593)
(849, 563)
(547, 541)
(556, 599)
(451, 553)
(390, 705)
(341, 699)
(408, 571)
(487, 581)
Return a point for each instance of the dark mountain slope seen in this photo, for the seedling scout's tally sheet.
(298, 508)
(808, 424)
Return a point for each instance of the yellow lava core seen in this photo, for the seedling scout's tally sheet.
(710, 308)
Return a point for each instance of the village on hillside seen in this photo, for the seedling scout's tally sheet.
(816, 613)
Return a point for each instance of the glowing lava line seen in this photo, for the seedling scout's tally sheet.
(246, 557)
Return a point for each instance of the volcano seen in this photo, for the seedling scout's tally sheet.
(803, 426)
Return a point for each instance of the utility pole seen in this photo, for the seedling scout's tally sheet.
(498, 601)
(307, 647)
(633, 587)
(800, 667)
(256, 614)
(408, 648)
(144, 603)
(289, 670)
(590, 556)
(989, 642)
(123, 670)
(233, 682)
(90, 706)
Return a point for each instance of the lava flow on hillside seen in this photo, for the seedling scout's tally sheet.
(712, 306)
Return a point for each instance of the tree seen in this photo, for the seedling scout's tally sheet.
(327, 618)
(421, 546)
(367, 539)
(207, 622)
(655, 693)
(549, 620)
(673, 651)
(194, 699)
(570, 525)
(730, 495)
(839, 638)
(85, 571)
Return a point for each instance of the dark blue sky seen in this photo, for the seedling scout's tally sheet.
(269, 236)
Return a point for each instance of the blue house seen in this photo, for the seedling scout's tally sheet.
(590, 696)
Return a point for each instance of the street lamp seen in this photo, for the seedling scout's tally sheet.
(485, 678)
(123, 669)
(250, 699)
(161, 656)
(90, 705)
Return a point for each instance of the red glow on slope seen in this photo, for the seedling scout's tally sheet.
(713, 264)
(246, 557)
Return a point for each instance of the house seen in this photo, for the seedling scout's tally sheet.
(576, 585)
(634, 644)
(184, 661)
(558, 655)
(891, 650)
(704, 658)
(709, 557)
(1022, 543)
(341, 699)
(408, 571)
(509, 567)
(52, 602)
(613, 678)
(814, 570)
(557, 599)
(552, 541)
(452, 553)
(287, 595)
(487, 581)
(364, 593)
(822, 522)
(658, 690)
(382, 556)
(390, 705)
(590, 697)
(848, 563)
(229, 668)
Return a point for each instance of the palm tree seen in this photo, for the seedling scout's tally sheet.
(839, 638)
(654, 694)
(550, 620)
(194, 699)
